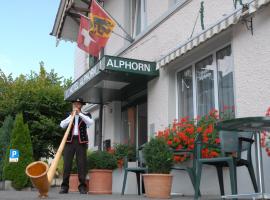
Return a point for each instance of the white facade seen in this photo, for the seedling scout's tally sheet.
(166, 25)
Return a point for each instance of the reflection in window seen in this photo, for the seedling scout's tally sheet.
(225, 79)
(185, 91)
(205, 85)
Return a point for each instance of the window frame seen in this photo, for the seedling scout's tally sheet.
(216, 92)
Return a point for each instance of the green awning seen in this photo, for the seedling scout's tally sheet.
(112, 78)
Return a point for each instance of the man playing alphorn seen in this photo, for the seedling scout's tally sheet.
(77, 143)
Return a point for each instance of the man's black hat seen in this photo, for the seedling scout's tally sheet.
(80, 100)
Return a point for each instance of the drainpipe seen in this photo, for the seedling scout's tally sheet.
(100, 126)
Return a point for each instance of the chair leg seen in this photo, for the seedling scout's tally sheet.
(198, 180)
(124, 183)
(220, 180)
(192, 179)
(235, 173)
(138, 183)
(252, 176)
(143, 189)
(232, 177)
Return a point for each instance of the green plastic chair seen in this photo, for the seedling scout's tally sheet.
(191, 170)
(232, 144)
(140, 169)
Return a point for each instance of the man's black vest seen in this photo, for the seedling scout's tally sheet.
(82, 132)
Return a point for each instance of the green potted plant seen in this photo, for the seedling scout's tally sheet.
(124, 150)
(101, 165)
(159, 160)
(73, 178)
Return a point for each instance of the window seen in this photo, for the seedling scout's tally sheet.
(138, 16)
(225, 79)
(206, 85)
(185, 92)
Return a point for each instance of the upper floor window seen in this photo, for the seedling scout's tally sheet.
(138, 16)
(206, 85)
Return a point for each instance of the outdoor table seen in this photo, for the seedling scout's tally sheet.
(256, 125)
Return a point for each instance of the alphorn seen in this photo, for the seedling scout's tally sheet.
(39, 172)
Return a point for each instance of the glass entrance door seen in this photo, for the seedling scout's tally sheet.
(134, 120)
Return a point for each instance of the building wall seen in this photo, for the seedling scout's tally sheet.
(252, 57)
(81, 62)
(251, 94)
(91, 130)
(252, 80)
(118, 10)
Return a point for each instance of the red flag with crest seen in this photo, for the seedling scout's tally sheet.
(99, 29)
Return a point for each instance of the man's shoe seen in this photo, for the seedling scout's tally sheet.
(83, 191)
(63, 191)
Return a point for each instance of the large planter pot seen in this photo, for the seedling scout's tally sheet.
(158, 185)
(100, 181)
(73, 183)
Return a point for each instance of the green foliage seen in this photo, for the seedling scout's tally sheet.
(101, 160)
(20, 140)
(158, 156)
(40, 97)
(124, 150)
(5, 132)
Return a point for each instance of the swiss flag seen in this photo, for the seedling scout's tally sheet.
(95, 31)
(85, 41)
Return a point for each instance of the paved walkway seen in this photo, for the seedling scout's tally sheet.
(53, 195)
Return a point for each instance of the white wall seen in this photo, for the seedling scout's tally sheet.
(252, 72)
(91, 130)
(81, 62)
(252, 66)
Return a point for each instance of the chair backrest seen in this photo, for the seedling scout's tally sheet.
(141, 160)
(229, 141)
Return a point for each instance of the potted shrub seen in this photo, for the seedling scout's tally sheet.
(159, 160)
(101, 164)
(73, 178)
(124, 150)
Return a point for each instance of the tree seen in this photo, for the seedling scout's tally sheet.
(20, 140)
(40, 97)
(5, 132)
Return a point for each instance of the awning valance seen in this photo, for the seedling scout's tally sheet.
(211, 31)
(112, 78)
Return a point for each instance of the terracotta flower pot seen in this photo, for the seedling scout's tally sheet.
(158, 185)
(100, 181)
(73, 183)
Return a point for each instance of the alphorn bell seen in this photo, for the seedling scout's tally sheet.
(39, 172)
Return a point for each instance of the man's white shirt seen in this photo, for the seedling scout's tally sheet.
(87, 120)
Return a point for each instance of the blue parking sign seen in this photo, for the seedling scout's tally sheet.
(13, 155)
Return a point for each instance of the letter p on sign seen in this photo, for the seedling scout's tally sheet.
(13, 155)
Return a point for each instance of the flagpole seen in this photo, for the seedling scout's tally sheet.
(130, 39)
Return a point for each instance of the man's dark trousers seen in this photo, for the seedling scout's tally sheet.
(81, 161)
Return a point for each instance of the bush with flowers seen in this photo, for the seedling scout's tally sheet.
(265, 140)
(120, 151)
(181, 134)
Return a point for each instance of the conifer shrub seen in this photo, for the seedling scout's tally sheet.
(5, 132)
(20, 140)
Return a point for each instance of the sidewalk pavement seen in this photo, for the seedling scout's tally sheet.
(53, 195)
